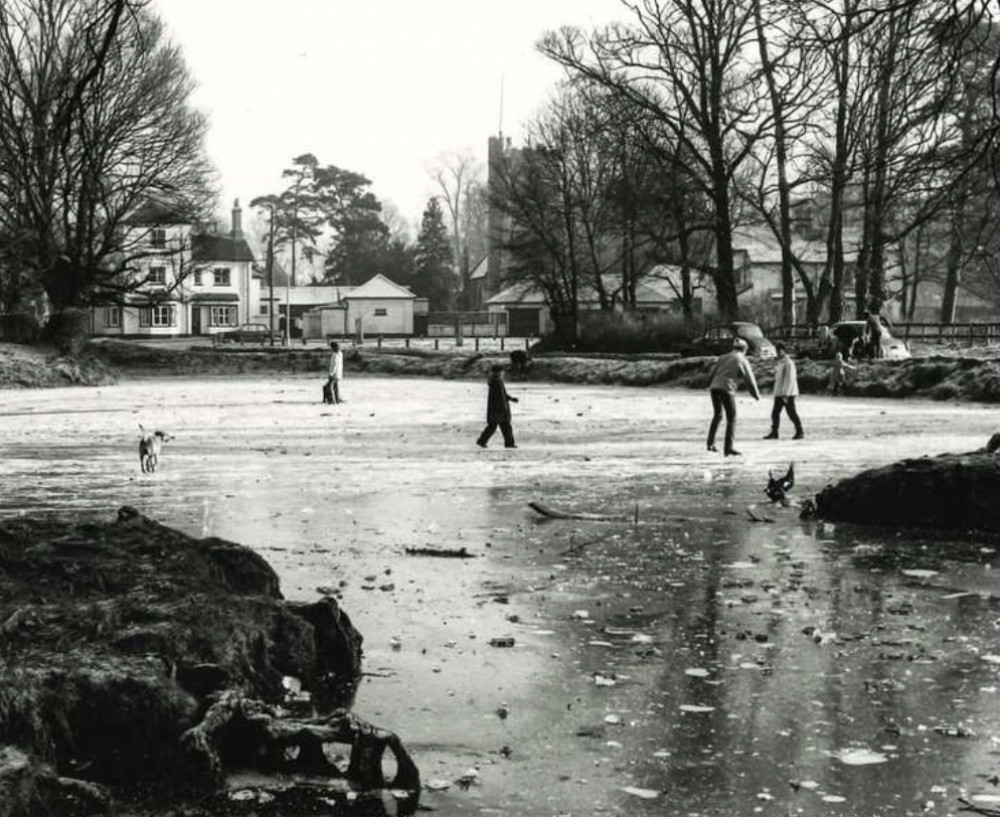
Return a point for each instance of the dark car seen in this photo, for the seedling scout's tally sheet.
(849, 338)
(719, 340)
(247, 333)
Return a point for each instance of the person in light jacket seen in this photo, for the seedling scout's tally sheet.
(786, 389)
(728, 371)
(497, 410)
(336, 370)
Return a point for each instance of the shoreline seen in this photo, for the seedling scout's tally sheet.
(970, 378)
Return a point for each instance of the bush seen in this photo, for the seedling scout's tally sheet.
(16, 327)
(628, 333)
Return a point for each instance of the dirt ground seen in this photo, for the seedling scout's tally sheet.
(693, 663)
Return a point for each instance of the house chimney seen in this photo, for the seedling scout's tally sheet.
(237, 219)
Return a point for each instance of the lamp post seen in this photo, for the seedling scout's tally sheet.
(270, 269)
(289, 279)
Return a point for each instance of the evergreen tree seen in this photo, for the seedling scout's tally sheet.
(434, 278)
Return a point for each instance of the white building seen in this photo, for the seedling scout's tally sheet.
(377, 307)
(194, 282)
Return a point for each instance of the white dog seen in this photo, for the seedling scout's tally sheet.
(149, 449)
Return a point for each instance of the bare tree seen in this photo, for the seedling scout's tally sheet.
(561, 195)
(95, 121)
(686, 63)
(794, 90)
(460, 178)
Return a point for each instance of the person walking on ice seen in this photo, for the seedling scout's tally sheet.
(497, 409)
(786, 389)
(724, 380)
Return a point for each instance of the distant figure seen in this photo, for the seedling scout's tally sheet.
(336, 372)
(825, 338)
(520, 363)
(497, 409)
(874, 333)
(729, 369)
(838, 378)
(786, 389)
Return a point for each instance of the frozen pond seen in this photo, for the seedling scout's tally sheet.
(694, 663)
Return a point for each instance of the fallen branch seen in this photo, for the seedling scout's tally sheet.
(968, 806)
(448, 553)
(554, 513)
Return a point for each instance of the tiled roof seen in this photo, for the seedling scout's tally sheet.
(378, 286)
(220, 247)
(153, 212)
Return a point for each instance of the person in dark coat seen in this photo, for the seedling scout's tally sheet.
(497, 410)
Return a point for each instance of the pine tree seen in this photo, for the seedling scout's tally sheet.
(435, 277)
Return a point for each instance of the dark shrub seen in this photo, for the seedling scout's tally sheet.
(628, 333)
(17, 327)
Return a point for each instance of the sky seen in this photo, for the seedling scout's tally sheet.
(380, 87)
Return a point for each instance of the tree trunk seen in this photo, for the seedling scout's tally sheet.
(953, 268)
(725, 276)
(781, 161)
(915, 277)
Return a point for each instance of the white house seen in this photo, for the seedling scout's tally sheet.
(195, 282)
(377, 307)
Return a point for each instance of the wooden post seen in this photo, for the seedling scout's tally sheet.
(436, 344)
(477, 343)
(407, 342)
(501, 343)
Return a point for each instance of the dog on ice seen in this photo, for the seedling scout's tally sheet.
(150, 444)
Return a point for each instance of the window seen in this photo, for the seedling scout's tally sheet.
(113, 316)
(223, 316)
(159, 315)
(380, 313)
(220, 276)
(158, 238)
(157, 275)
(196, 277)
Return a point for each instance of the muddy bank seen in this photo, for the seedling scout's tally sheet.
(951, 492)
(939, 378)
(32, 367)
(944, 377)
(139, 664)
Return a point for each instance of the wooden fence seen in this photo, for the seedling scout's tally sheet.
(969, 334)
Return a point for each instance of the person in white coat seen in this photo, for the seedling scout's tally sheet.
(336, 372)
(786, 389)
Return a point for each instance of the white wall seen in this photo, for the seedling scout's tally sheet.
(398, 318)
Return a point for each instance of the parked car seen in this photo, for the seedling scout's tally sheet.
(719, 340)
(247, 333)
(848, 338)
